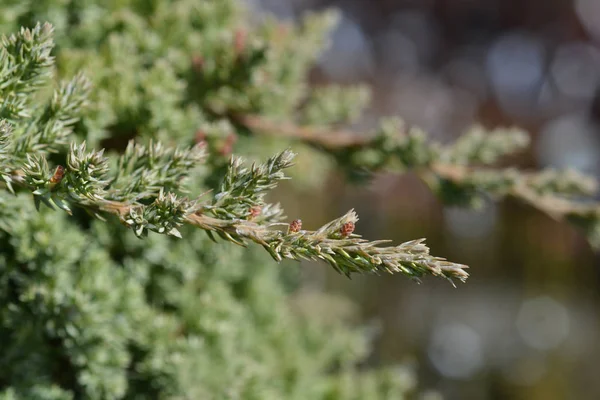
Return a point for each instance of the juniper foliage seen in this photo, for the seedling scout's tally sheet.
(170, 89)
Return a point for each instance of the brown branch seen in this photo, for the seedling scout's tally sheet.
(329, 139)
(555, 206)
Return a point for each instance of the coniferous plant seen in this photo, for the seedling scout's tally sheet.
(119, 121)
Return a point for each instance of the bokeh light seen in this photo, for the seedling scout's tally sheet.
(456, 350)
(543, 323)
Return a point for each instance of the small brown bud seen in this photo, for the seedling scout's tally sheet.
(59, 173)
(227, 148)
(295, 226)
(347, 229)
(239, 41)
(254, 212)
(283, 32)
(197, 63)
(200, 136)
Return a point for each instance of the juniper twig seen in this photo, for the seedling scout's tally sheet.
(459, 173)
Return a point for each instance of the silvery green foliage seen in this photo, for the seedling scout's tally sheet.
(462, 173)
(87, 309)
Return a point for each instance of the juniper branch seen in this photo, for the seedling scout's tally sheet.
(82, 183)
(346, 252)
(460, 173)
(326, 138)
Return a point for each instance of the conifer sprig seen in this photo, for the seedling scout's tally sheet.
(243, 190)
(336, 244)
(82, 183)
(345, 252)
(461, 173)
(145, 170)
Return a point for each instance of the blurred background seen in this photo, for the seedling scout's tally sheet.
(526, 325)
